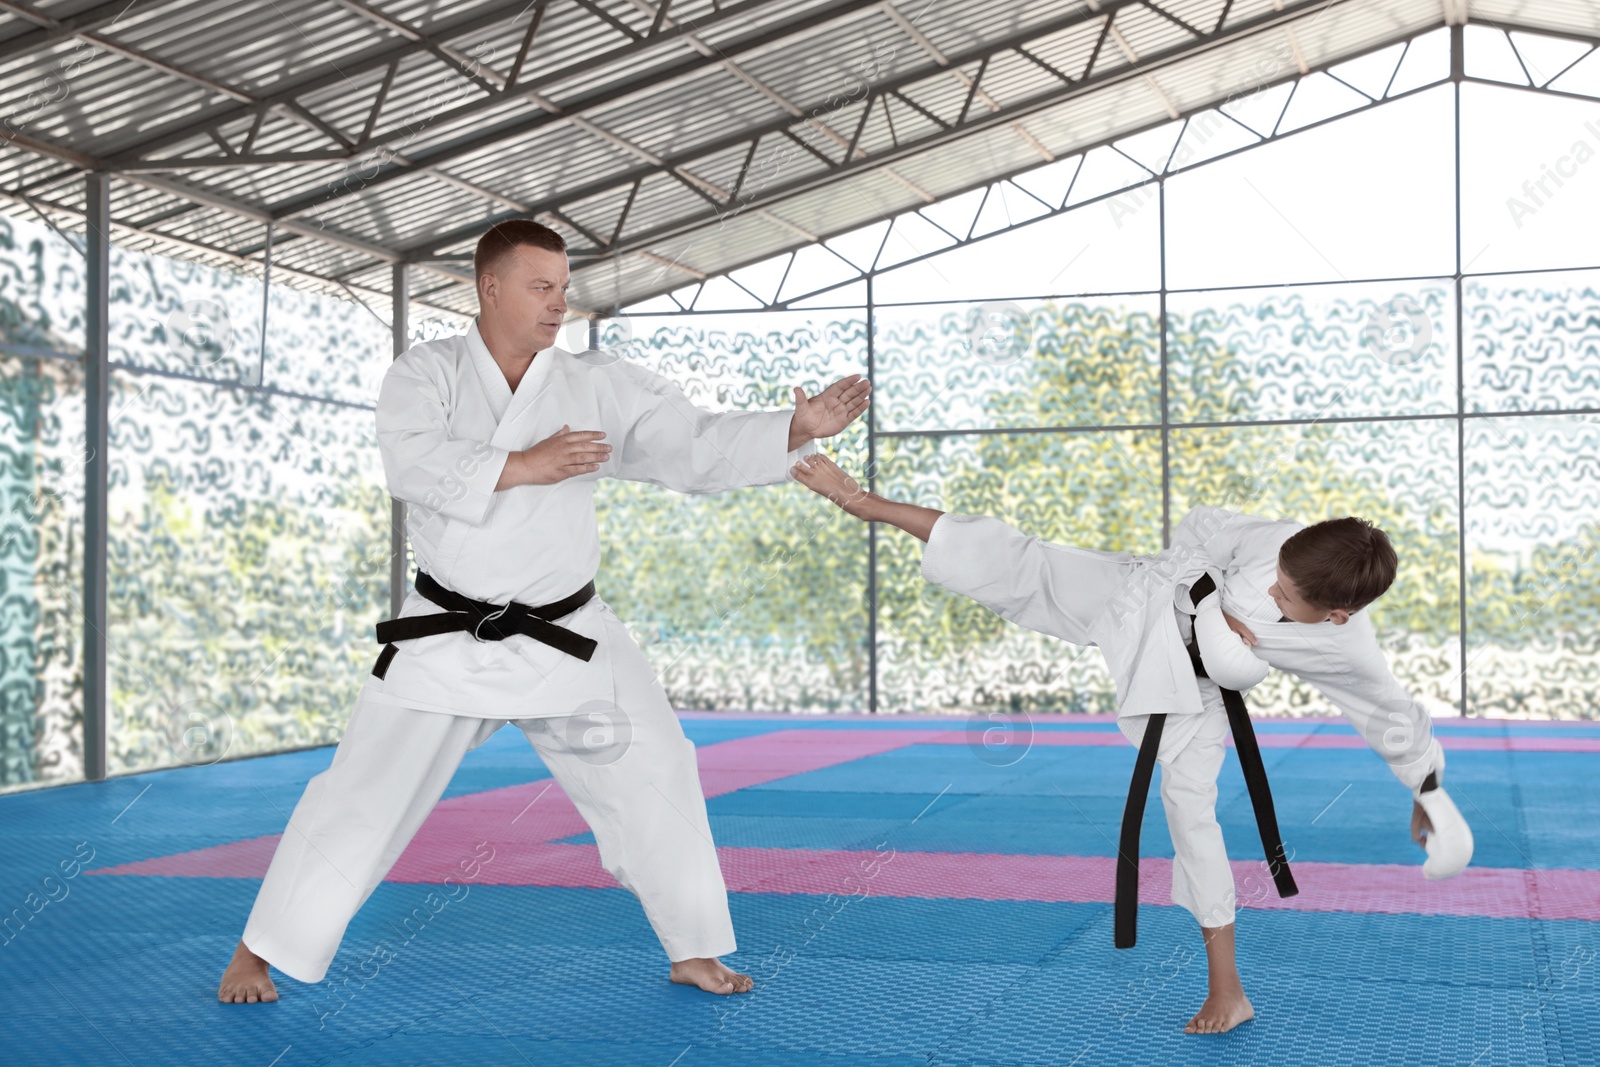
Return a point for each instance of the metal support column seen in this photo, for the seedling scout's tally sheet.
(400, 328)
(96, 417)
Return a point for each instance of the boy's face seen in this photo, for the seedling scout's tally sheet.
(1296, 608)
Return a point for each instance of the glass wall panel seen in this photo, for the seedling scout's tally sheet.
(41, 567)
(1533, 584)
(335, 349)
(1384, 348)
(1018, 363)
(248, 563)
(249, 532)
(940, 652)
(1368, 196)
(41, 507)
(755, 598)
(185, 318)
(1532, 341)
(1108, 247)
(1399, 475)
(1530, 180)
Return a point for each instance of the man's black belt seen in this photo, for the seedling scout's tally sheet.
(1126, 925)
(485, 621)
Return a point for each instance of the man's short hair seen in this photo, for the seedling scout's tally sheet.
(1340, 563)
(502, 238)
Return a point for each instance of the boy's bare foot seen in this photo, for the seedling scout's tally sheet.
(1220, 1013)
(710, 975)
(246, 981)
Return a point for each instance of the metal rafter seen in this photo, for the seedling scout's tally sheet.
(68, 29)
(382, 55)
(647, 83)
(52, 29)
(779, 99)
(934, 52)
(851, 163)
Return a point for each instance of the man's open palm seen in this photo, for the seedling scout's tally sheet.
(831, 410)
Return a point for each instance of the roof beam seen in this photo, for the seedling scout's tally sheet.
(187, 128)
(772, 195)
(934, 52)
(648, 82)
(52, 29)
(857, 161)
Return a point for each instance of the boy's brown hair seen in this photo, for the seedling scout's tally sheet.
(504, 237)
(1340, 563)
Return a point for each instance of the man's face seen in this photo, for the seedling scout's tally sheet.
(526, 294)
(1296, 608)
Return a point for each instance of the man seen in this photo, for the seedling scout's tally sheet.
(476, 434)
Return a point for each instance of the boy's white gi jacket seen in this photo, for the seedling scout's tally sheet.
(447, 419)
(1146, 619)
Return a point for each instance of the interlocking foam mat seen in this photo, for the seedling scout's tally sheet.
(905, 891)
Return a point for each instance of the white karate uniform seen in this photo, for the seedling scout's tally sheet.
(446, 421)
(1137, 610)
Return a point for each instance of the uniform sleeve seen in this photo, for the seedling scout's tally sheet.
(1054, 589)
(423, 463)
(1213, 531)
(670, 442)
(1229, 661)
(1354, 675)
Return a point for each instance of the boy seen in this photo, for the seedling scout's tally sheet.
(1294, 595)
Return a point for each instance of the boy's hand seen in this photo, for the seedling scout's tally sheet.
(1421, 825)
(1241, 629)
(823, 476)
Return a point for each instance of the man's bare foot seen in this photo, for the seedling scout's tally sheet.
(1220, 1013)
(246, 981)
(710, 975)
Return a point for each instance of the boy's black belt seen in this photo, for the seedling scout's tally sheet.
(485, 621)
(1126, 919)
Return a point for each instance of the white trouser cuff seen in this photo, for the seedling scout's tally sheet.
(1414, 773)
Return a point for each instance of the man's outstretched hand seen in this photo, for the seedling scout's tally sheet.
(829, 411)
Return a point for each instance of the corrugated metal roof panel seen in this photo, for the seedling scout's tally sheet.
(111, 104)
(1574, 16)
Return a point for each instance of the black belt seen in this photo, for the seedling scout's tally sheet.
(1126, 924)
(485, 621)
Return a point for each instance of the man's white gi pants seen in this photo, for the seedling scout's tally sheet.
(646, 809)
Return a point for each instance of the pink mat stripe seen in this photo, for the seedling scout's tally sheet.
(521, 822)
(1314, 740)
(1391, 889)
(515, 819)
(886, 721)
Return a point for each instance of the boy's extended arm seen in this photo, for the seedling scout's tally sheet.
(825, 478)
(1357, 680)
